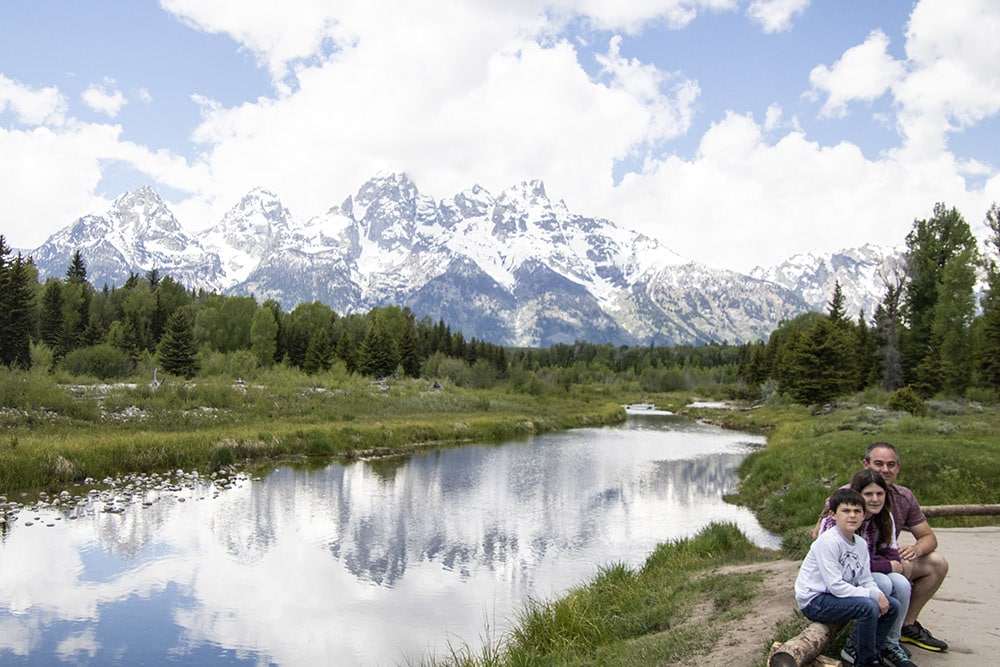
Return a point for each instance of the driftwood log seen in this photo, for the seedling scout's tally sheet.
(805, 647)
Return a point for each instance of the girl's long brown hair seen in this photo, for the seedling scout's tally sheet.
(883, 520)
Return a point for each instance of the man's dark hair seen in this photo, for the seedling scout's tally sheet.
(846, 497)
(875, 445)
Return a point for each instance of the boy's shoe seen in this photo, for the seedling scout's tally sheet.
(848, 654)
(893, 655)
(918, 635)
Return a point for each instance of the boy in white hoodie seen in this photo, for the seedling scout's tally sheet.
(835, 581)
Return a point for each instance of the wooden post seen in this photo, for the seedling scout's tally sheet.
(805, 647)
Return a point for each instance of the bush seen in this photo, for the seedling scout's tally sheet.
(906, 399)
(101, 361)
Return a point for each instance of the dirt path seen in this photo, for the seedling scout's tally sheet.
(965, 612)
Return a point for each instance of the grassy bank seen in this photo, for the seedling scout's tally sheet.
(56, 434)
(667, 610)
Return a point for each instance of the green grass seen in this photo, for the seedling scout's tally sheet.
(54, 434)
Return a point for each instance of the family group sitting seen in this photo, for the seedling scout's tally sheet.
(856, 571)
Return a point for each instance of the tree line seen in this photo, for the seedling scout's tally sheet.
(931, 333)
(107, 333)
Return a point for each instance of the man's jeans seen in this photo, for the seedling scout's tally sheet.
(870, 629)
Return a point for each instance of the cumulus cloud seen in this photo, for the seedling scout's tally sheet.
(864, 72)
(954, 80)
(775, 15)
(104, 98)
(32, 106)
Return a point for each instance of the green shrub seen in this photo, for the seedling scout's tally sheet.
(907, 399)
(101, 361)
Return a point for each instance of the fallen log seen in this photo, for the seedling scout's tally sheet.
(805, 647)
(960, 510)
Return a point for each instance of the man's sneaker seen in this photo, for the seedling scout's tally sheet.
(918, 635)
(893, 655)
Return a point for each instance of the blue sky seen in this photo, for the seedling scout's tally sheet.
(737, 132)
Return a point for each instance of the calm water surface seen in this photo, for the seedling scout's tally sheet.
(372, 563)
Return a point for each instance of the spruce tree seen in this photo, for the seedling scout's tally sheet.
(378, 354)
(17, 310)
(52, 322)
(177, 352)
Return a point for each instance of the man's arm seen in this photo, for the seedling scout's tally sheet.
(926, 542)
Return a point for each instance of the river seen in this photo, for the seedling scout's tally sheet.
(371, 563)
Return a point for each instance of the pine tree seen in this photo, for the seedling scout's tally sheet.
(16, 309)
(319, 354)
(52, 322)
(408, 357)
(177, 352)
(378, 354)
(76, 273)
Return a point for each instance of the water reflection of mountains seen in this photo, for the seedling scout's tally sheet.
(448, 507)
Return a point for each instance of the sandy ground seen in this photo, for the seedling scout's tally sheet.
(965, 612)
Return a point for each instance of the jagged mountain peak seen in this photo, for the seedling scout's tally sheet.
(516, 269)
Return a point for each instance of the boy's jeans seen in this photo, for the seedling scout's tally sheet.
(870, 629)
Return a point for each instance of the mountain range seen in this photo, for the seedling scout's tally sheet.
(515, 269)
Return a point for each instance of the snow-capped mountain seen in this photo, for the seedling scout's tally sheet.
(514, 269)
(862, 273)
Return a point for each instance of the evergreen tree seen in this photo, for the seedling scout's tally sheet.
(408, 357)
(76, 273)
(346, 352)
(937, 302)
(837, 313)
(819, 369)
(378, 354)
(52, 322)
(16, 310)
(319, 353)
(177, 351)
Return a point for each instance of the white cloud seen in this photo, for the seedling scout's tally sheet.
(864, 72)
(776, 15)
(954, 82)
(743, 201)
(104, 98)
(32, 106)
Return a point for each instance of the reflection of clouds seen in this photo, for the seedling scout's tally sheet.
(364, 562)
(78, 645)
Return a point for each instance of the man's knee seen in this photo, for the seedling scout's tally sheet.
(933, 566)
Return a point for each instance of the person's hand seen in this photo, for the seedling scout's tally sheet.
(903, 567)
(883, 604)
(909, 552)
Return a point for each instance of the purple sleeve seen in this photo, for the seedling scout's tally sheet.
(905, 508)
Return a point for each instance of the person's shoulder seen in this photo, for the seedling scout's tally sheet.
(901, 490)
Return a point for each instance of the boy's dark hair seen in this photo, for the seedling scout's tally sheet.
(846, 497)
